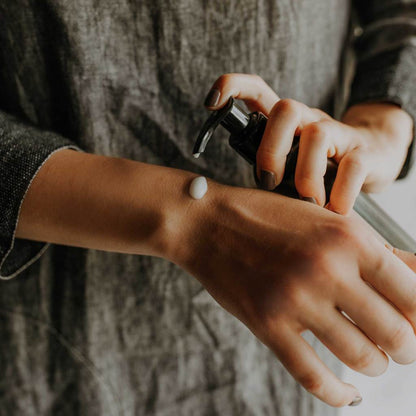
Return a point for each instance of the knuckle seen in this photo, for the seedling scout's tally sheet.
(318, 132)
(343, 233)
(399, 337)
(365, 359)
(323, 262)
(294, 296)
(225, 79)
(380, 264)
(268, 316)
(355, 162)
(268, 322)
(287, 105)
(343, 230)
(312, 383)
(320, 265)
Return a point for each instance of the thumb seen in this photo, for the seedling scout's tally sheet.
(405, 256)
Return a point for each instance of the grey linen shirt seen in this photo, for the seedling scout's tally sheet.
(85, 332)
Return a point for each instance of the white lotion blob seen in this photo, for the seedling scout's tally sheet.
(198, 187)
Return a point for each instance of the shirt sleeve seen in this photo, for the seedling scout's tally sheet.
(23, 151)
(386, 57)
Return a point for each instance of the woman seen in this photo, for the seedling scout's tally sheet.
(100, 332)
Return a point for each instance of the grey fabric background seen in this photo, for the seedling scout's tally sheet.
(84, 332)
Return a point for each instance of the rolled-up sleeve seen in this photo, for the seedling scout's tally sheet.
(386, 57)
(23, 151)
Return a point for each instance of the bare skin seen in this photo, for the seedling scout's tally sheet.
(369, 145)
(281, 266)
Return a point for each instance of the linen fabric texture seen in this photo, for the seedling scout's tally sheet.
(85, 332)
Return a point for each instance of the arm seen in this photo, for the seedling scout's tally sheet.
(103, 203)
(280, 265)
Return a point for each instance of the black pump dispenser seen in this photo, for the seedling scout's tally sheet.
(246, 130)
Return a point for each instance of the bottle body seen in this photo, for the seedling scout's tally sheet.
(247, 142)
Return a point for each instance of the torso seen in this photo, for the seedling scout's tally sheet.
(87, 332)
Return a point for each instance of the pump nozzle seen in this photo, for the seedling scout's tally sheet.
(231, 116)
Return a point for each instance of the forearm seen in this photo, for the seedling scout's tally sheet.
(104, 203)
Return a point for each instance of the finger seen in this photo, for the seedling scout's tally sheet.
(286, 119)
(379, 320)
(351, 175)
(348, 342)
(306, 367)
(392, 278)
(405, 256)
(312, 160)
(251, 88)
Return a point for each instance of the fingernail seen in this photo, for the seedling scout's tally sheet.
(212, 98)
(309, 199)
(357, 400)
(267, 180)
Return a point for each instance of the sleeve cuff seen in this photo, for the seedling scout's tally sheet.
(23, 151)
(389, 76)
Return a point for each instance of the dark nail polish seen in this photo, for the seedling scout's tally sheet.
(309, 199)
(267, 180)
(212, 98)
(357, 400)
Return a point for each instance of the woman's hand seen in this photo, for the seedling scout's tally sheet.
(369, 145)
(284, 266)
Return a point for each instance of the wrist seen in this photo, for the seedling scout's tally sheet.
(385, 120)
(186, 221)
